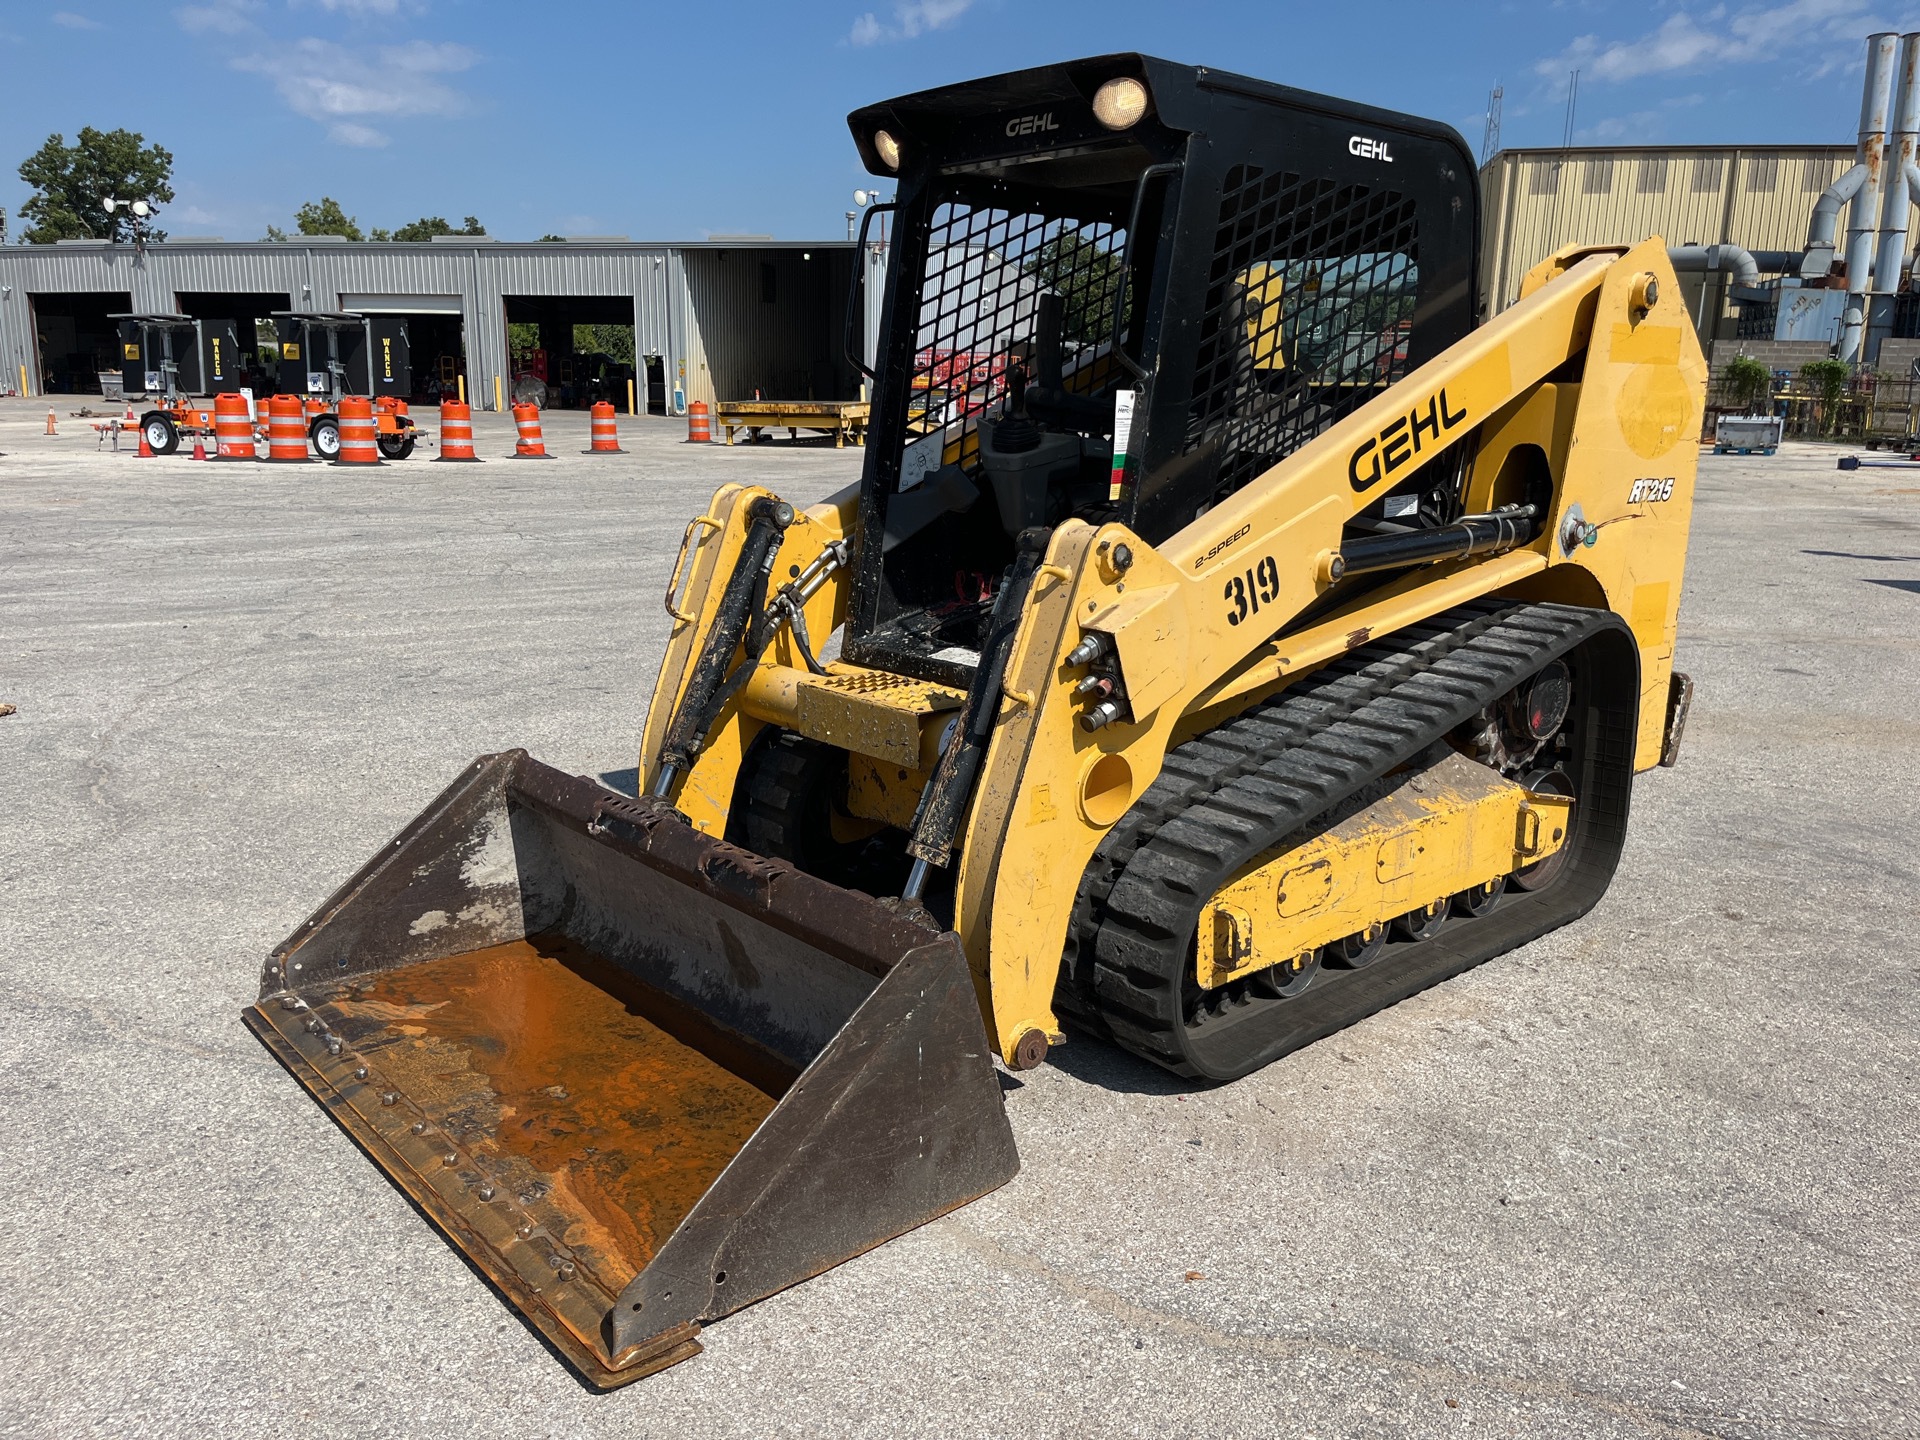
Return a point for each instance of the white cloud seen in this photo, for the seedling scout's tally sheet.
(346, 86)
(75, 22)
(1640, 127)
(365, 9)
(222, 17)
(362, 137)
(1716, 37)
(910, 20)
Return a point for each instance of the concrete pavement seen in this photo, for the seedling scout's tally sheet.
(1651, 1176)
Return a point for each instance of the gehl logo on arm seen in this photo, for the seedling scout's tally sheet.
(1378, 456)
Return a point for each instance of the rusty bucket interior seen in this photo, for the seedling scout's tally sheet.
(640, 1077)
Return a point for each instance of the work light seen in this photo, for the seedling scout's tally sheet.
(1120, 103)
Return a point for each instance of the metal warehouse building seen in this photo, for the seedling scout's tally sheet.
(1535, 201)
(711, 320)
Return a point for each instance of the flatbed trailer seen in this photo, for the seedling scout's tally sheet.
(845, 420)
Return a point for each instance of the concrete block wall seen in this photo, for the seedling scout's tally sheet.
(1897, 357)
(1774, 354)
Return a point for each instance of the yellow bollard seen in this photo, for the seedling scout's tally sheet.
(23, 381)
(463, 388)
(496, 394)
(630, 409)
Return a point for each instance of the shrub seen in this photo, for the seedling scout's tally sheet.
(1747, 383)
(1827, 379)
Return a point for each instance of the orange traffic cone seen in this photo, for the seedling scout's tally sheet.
(131, 418)
(146, 450)
(199, 449)
(50, 429)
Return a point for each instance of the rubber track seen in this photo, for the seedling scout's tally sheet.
(1226, 796)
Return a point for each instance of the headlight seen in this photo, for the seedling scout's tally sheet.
(1120, 103)
(887, 148)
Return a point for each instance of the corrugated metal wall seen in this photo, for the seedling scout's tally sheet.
(1536, 201)
(768, 320)
(790, 341)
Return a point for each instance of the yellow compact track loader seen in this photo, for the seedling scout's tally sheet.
(1231, 634)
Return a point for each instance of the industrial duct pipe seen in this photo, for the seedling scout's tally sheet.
(1744, 267)
(1897, 198)
(1817, 263)
(1864, 220)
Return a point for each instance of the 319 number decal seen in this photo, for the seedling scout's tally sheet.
(1249, 590)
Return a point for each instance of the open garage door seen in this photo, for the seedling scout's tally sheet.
(249, 314)
(436, 339)
(74, 341)
(572, 349)
(770, 323)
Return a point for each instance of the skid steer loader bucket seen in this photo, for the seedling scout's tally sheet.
(641, 1077)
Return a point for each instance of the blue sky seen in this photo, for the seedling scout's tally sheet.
(673, 121)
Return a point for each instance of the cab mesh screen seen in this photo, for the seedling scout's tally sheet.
(1309, 314)
(986, 268)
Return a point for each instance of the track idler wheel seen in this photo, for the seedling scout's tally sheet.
(1482, 898)
(1358, 951)
(1424, 923)
(1290, 977)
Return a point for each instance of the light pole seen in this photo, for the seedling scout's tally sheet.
(864, 198)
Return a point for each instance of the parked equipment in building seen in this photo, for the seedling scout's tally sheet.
(1269, 644)
(327, 356)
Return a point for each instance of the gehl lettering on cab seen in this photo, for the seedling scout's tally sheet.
(1031, 124)
(1379, 456)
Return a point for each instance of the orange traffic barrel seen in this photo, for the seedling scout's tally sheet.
(606, 431)
(699, 425)
(286, 430)
(529, 445)
(456, 431)
(233, 428)
(358, 442)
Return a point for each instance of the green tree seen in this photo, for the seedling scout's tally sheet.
(1087, 277)
(560, 238)
(428, 226)
(325, 217)
(1746, 383)
(613, 341)
(71, 182)
(1827, 379)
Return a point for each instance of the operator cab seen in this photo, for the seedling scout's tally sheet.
(1211, 268)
